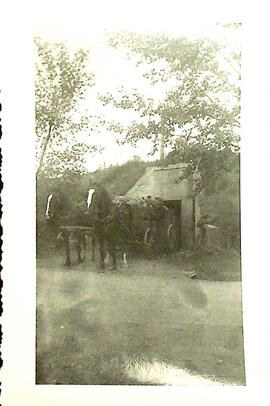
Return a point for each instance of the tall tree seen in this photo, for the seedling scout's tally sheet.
(199, 116)
(62, 80)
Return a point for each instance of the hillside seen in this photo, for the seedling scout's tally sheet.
(119, 179)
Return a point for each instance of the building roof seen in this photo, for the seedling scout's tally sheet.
(162, 182)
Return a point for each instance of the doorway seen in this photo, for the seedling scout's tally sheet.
(174, 217)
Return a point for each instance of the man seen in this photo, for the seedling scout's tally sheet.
(125, 212)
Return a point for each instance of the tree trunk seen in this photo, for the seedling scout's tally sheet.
(161, 147)
(43, 152)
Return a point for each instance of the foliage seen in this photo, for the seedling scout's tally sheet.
(120, 178)
(221, 201)
(69, 160)
(212, 164)
(62, 80)
(199, 116)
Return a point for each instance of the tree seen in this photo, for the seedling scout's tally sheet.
(199, 116)
(62, 80)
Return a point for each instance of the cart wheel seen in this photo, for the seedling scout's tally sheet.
(172, 238)
(148, 242)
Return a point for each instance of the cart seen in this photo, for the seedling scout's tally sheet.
(154, 226)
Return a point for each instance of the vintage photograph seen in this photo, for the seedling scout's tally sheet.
(138, 243)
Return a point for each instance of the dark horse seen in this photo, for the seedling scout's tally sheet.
(70, 224)
(100, 208)
(112, 225)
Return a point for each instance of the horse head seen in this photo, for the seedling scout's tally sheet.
(90, 193)
(53, 206)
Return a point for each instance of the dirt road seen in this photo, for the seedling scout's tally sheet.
(149, 324)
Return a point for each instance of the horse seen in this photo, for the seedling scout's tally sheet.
(68, 223)
(109, 224)
(124, 215)
(99, 208)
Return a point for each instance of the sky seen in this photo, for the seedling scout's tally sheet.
(84, 24)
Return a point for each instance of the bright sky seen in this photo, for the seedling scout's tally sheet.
(84, 23)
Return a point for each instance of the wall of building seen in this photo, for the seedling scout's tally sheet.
(190, 214)
(197, 217)
(187, 223)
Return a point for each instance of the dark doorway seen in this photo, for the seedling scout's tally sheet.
(174, 216)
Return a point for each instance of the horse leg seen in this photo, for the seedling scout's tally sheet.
(93, 257)
(84, 242)
(78, 247)
(111, 249)
(81, 246)
(124, 249)
(125, 263)
(101, 244)
(67, 249)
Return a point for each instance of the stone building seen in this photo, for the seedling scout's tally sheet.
(178, 195)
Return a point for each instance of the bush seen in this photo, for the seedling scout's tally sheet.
(223, 204)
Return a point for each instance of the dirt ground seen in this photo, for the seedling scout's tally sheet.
(148, 324)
